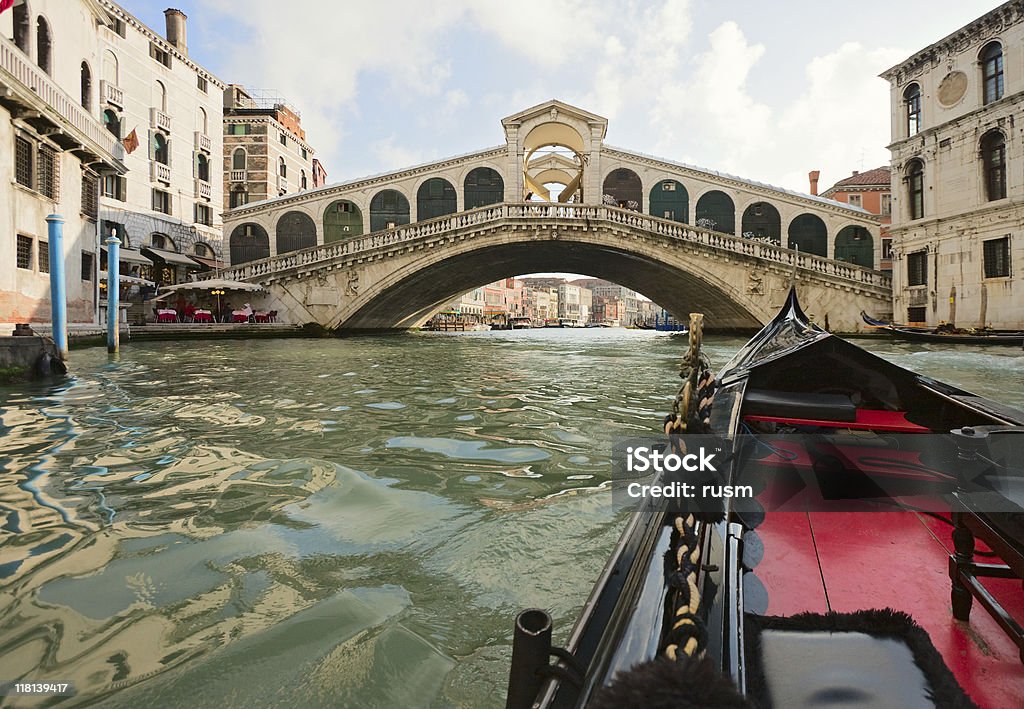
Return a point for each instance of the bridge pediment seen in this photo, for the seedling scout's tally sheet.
(556, 111)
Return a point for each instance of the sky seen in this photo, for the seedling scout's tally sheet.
(764, 90)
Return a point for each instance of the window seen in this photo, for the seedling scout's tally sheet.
(202, 168)
(21, 25)
(239, 198)
(912, 100)
(112, 123)
(48, 172)
(305, 154)
(887, 249)
(119, 27)
(202, 250)
(44, 45)
(239, 129)
(284, 139)
(992, 71)
(996, 253)
(115, 187)
(668, 186)
(25, 252)
(44, 256)
(90, 195)
(88, 265)
(238, 159)
(86, 87)
(202, 122)
(886, 203)
(302, 179)
(161, 201)
(993, 157)
(23, 162)
(160, 55)
(160, 96)
(161, 151)
(158, 241)
(916, 314)
(282, 168)
(202, 84)
(854, 200)
(915, 189)
(917, 268)
(204, 215)
(669, 214)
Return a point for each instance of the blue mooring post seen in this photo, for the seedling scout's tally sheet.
(58, 284)
(113, 292)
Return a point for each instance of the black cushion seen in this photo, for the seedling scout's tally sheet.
(797, 405)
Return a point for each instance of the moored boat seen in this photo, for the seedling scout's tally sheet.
(947, 334)
(796, 599)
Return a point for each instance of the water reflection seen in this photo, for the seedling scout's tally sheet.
(325, 522)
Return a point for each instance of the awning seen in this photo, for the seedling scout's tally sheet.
(215, 284)
(211, 263)
(171, 257)
(131, 280)
(131, 256)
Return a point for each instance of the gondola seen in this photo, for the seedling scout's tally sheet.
(807, 597)
(952, 337)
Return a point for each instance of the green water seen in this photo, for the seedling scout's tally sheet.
(310, 523)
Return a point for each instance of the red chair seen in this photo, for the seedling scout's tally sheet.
(262, 317)
(272, 316)
(190, 313)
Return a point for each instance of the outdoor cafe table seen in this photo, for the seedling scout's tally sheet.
(203, 316)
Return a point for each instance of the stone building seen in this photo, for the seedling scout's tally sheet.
(265, 150)
(870, 190)
(55, 150)
(169, 203)
(957, 182)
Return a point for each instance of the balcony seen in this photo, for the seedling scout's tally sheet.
(49, 107)
(203, 189)
(282, 183)
(203, 142)
(159, 120)
(237, 176)
(111, 94)
(160, 172)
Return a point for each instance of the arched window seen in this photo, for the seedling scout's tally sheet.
(388, 208)
(434, 198)
(162, 241)
(110, 69)
(161, 151)
(282, 168)
(202, 250)
(670, 200)
(625, 189)
(44, 45)
(482, 186)
(22, 25)
(249, 242)
(993, 157)
(915, 189)
(992, 71)
(86, 86)
(912, 100)
(302, 180)
(761, 221)
(112, 123)
(716, 211)
(159, 96)
(295, 230)
(239, 197)
(202, 168)
(342, 220)
(202, 122)
(855, 245)
(238, 159)
(808, 234)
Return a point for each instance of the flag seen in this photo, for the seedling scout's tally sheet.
(6, 4)
(131, 143)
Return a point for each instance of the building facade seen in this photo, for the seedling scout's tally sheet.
(872, 191)
(957, 182)
(166, 109)
(265, 150)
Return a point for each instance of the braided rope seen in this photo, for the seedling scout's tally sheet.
(688, 634)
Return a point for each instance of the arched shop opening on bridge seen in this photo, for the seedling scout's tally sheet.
(670, 200)
(248, 242)
(761, 221)
(483, 186)
(808, 234)
(295, 230)
(342, 220)
(388, 209)
(716, 211)
(435, 198)
(855, 245)
(623, 188)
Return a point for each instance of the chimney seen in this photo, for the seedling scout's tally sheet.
(176, 32)
(855, 173)
(813, 176)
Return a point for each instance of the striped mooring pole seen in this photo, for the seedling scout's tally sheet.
(58, 284)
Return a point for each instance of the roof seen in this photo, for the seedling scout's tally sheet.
(878, 176)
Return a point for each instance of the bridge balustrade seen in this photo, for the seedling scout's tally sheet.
(574, 212)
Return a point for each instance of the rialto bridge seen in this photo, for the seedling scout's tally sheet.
(386, 251)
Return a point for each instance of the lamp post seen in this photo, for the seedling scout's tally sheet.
(218, 292)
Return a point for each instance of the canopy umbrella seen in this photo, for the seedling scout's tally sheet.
(214, 284)
(131, 280)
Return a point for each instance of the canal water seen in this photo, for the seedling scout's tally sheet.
(310, 523)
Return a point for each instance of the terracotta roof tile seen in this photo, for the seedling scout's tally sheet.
(878, 176)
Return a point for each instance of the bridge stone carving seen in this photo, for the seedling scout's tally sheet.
(397, 277)
(370, 264)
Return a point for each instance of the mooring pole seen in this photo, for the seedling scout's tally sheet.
(58, 284)
(113, 292)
